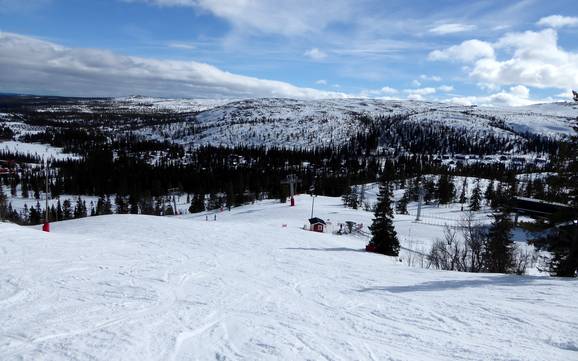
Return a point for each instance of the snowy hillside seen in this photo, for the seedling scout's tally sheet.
(162, 104)
(283, 122)
(253, 285)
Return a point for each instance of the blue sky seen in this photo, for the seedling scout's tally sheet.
(483, 52)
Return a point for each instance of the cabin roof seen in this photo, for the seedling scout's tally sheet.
(316, 220)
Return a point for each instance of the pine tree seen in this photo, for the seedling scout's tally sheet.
(350, 198)
(34, 217)
(168, 211)
(401, 206)
(59, 212)
(24, 189)
(489, 193)
(463, 198)
(99, 206)
(3, 206)
(361, 196)
(197, 203)
(499, 247)
(497, 200)
(133, 204)
(476, 199)
(384, 237)
(66, 209)
(121, 205)
(430, 191)
(107, 206)
(80, 210)
(445, 189)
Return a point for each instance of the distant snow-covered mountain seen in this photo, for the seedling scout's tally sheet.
(283, 122)
(291, 122)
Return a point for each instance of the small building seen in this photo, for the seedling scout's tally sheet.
(317, 224)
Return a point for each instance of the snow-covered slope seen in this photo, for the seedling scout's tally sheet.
(141, 103)
(290, 122)
(283, 122)
(246, 287)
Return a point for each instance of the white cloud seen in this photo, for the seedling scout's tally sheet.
(38, 66)
(384, 93)
(321, 82)
(181, 45)
(451, 28)
(271, 16)
(558, 21)
(567, 95)
(531, 59)
(536, 61)
(467, 51)
(416, 83)
(516, 96)
(446, 88)
(315, 54)
(389, 90)
(430, 78)
(419, 94)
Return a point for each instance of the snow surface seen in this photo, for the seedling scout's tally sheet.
(253, 285)
(44, 151)
(177, 105)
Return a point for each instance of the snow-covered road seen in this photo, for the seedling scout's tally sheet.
(246, 288)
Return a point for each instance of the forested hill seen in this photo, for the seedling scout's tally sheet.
(287, 123)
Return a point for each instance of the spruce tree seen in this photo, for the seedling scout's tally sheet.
(24, 189)
(499, 248)
(59, 211)
(350, 198)
(401, 206)
(463, 198)
(445, 189)
(66, 209)
(121, 204)
(489, 193)
(107, 205)
(34, 216)
(476, 199)
(3, 207)
(197, 203)
(384, 237)
(133, 204)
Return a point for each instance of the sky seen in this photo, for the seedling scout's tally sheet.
(487, 52)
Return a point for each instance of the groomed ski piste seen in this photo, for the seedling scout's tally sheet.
(253, 285)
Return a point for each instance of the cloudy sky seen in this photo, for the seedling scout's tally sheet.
(471, 52)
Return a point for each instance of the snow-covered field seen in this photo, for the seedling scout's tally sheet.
(253, 285)
(44, 151)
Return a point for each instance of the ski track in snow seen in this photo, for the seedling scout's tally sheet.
(245, 288)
